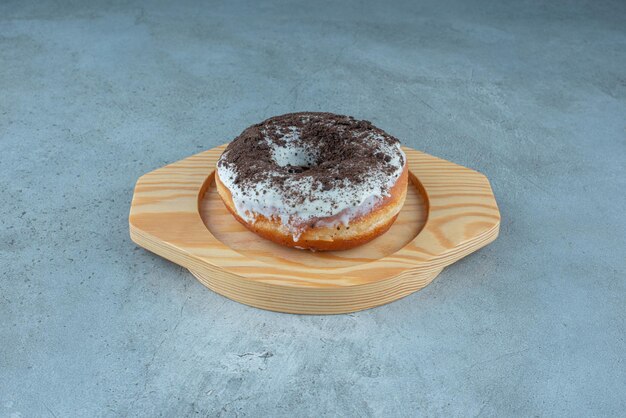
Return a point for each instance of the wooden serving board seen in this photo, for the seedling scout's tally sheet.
(450, 212)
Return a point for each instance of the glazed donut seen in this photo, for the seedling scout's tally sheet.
(316, 181)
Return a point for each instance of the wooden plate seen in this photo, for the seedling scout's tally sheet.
(450, 211)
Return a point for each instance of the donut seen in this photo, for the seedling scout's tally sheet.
(315, 181)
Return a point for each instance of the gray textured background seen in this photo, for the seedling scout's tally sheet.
(531, 94)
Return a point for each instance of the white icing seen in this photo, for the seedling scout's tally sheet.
(342, 204)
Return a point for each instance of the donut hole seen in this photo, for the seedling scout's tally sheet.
(296, 159)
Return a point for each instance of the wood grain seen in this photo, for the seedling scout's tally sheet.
(450, 212)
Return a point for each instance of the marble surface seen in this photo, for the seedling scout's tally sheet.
(94, 95)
